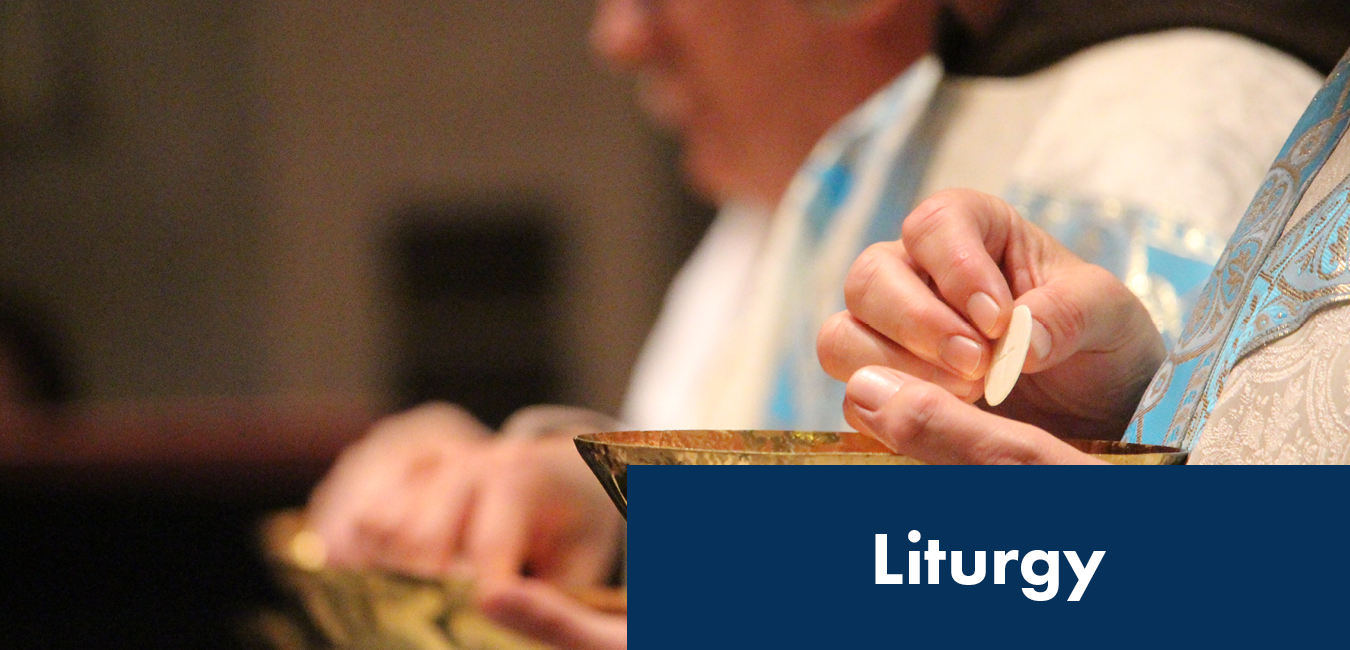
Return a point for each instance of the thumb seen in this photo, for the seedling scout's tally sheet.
(1084, 309)
(918, 419)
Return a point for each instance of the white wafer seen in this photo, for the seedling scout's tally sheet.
(1009, 355)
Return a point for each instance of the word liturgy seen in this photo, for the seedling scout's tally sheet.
(935, 556)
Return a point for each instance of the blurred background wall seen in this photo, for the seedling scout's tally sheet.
(375, 201)
(208, 197)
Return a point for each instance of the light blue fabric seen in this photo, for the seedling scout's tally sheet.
(1267, 282)
(802, 396)
(1163, 257)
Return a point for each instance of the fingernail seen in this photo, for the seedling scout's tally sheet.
(870, 388)
(983, 311)
(962, 388)
(963, 355)
(1040, 340)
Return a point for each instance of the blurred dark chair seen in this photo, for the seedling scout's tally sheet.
(34, 366)
(36, 373)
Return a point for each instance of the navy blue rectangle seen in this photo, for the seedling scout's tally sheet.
(785, 557)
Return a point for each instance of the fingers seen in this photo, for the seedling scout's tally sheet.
(495, 541)
(946, 289)
(343, 508)
(940, 292)
(418, 499)
(541, 510)
(887, 293)
(544, 613)
(919, 419)
(396, 498)
(543, 419)
(577, 531)
(846, 344)
(929, 305)
(958, 237)
(407, 513)
(429, 535)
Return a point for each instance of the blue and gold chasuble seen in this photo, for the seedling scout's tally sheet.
(1268, 282)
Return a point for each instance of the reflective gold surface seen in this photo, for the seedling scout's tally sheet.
(366, 610)
(609, 454)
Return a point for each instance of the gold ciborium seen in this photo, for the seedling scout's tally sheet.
(331, 608)
(609, 454)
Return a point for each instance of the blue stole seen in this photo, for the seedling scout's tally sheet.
(882, 132)
(1267, 283)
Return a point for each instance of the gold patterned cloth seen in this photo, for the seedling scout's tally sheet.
(1258, 374)
(1289, 401)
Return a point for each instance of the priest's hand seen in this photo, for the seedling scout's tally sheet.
(931, 304)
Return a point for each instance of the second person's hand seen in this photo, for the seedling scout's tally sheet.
(431, 492)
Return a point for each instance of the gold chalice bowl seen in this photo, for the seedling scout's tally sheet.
(609, 454)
